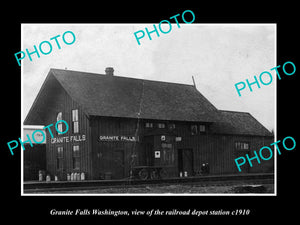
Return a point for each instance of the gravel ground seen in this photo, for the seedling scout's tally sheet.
(175, 189)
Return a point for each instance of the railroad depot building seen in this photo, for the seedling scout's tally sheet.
(121, 127)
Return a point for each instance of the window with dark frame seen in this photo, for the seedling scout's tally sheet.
(161, 125)
(75, 121)
(198, 129)
(59, 125)
(171, 126)
(60, 157)
(76, 157)
(241, 145)
(148, 125)
(194, 129)
(202, 128)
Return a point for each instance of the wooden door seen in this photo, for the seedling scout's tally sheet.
(185, 161)
(118, 164)
(149, 155)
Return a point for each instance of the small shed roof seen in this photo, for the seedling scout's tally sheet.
(242, 123)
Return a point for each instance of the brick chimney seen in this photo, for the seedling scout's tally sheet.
(109, 71)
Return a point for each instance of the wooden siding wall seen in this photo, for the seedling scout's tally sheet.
(104, 152)
(63, 103)
(219, 152)
(98, 158)
(216, 150)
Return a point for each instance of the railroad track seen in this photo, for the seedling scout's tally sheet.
(215, 180)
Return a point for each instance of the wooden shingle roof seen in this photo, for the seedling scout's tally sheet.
(242, 123)
(123, 97)
(115, 96)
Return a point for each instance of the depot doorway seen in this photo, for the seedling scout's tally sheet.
(118, 164)
(186, 162)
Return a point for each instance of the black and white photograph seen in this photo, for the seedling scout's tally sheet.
(149, 113)
(160, 117)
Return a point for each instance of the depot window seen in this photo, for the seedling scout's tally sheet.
(76, 157)
(59, 125)
(202, 128)
(241, 145)
(194, 129)
(161, 125)
(198, 129)
(75, 121)
(149, 125)
(60, 157)
(172, 126)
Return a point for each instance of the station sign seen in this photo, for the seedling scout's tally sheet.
(66, 139)
(119, 138)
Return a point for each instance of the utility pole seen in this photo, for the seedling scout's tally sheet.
(194, 82)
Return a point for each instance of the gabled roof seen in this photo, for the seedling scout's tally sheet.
(123, 97)
(241, 123)
(115, 96)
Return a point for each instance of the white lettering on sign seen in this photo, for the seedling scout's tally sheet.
(118, 138)
(66, 139)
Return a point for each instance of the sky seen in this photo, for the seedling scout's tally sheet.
(217, 55)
